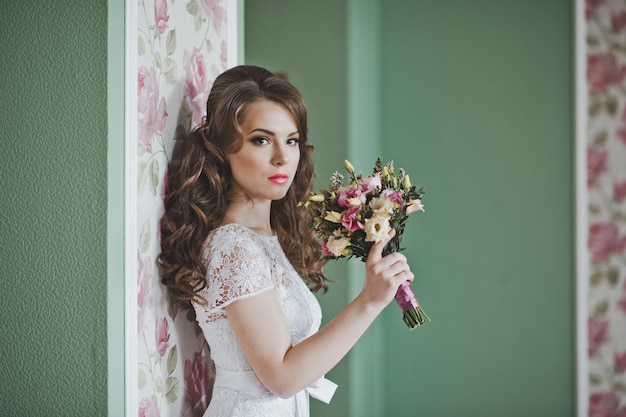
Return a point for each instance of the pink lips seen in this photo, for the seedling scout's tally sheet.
(279, 178)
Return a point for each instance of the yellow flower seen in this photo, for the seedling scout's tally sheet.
(407, 182)
(317, 197)
(348, 166)
(414, 205)
(376, 228)
(354, 201)
(333, 217)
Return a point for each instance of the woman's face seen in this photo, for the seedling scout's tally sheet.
(265, 165)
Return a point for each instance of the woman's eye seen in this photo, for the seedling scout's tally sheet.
(260, 141)
(293, 141)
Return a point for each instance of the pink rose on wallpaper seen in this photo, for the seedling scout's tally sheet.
(149, 407)
(162, 336)
(602, 70)
(197, 385)
(619, 190)
(591, 6)
(223, 55)
(619, 362)
(596, 165)
(196, 82)
(160, 15)
(604, 240)
(152, 112)
(618, 20)
(597, 333)
(621, 303)
(212, 9)
(603, 404)
(621, 130)
(144, 276)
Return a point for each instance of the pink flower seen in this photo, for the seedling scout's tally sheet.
(620, 362)
(618, 20)
(596, 165)
(603, 70)
(149, 407)
(621, 303)
(394, 195)
(348, 193)
(597, 334)
(370, 184)
(152, 112)
(223, 55)
(162, 336)
(604, 241)
(196, 83)
(591, 6)
(603, 404)
(325, 249)
(619, 190)
(197, 385)
(349, 219)
(213, 10)
(160, 15)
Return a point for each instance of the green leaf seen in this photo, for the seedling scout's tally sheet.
(613, 276)
(143, 177)
(144, 236)
(192, 7)
(141, 379)
(154, 176)
(171, 389)
(170, 42)
(141, 46)
(157, 60)
(172, 360)
(158, 385)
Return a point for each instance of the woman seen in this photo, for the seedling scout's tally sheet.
(237, 247)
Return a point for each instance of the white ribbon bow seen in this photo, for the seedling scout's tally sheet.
(247, 381)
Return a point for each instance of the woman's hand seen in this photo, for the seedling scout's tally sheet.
(384, 274)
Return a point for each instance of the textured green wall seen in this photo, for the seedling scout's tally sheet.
(477, 103)
(53, 353)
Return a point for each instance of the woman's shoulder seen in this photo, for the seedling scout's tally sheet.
(228, 236)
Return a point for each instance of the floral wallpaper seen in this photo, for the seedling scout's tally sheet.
(181, 48)
(606, 168)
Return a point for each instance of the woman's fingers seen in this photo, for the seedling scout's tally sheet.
(376, 251)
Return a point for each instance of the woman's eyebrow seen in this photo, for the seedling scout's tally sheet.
(269, 132)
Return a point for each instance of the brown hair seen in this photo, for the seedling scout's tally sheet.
(199, 178)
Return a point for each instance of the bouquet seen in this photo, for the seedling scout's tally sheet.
(350, 219)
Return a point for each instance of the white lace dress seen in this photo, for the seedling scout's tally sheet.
(242, 263)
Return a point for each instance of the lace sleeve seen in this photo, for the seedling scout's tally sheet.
(237, 267)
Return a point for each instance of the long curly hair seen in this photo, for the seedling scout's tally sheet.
(199, 181)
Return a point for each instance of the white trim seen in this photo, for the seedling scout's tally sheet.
(130, 218)
(582, 198)
(232, 18)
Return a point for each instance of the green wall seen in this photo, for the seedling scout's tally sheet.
(474, 99)
(477, 102)
(53, 353)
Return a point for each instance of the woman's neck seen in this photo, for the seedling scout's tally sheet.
(254, 215)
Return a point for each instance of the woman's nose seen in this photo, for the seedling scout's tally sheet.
(280, 156)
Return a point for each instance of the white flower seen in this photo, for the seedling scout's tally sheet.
(376, 228)
(382, 206)
(337, 244)
(414, 205)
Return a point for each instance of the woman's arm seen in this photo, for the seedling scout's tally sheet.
(266, 340)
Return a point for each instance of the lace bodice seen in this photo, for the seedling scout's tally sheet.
(241, 263)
